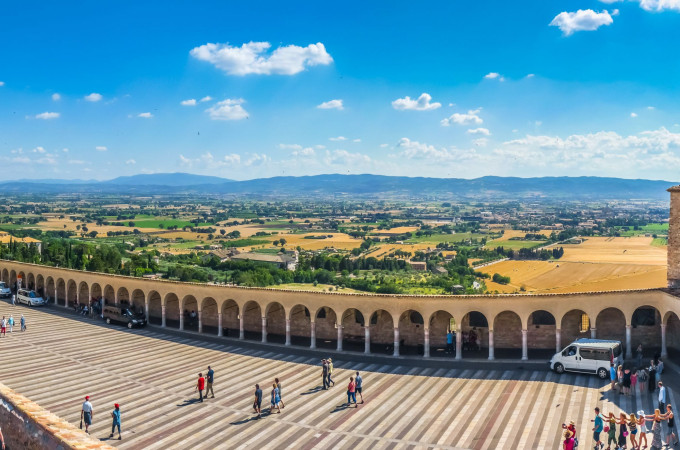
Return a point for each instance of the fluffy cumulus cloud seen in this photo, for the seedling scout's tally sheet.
(93, 97)
(229, 109)
(422, 103)
(255, 58)
(660, 5)
(429, 154)
(56, 97)
(337, 139)
(257, 159)
(582, 20)
(101, 148)
(145, 115)
(189, 102)
(208, 161)
(207, 98)
(47, 115)
(331, 104)
(346, 159)
(494, 76)
(469, 118)
(479, 131)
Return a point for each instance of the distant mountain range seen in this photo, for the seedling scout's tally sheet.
(357, 186)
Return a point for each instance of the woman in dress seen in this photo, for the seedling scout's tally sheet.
(626, 382)
(632, 425)
(623, 430)
(652, 376)
(642, 424)
(611, 432)
(656, 419)
(619, 378)
(275, 399)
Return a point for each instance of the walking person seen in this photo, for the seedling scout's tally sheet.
(23, 323)
(612, 375)
(351, 392)
(623, 430)
(638, 355)
(324, 373)
(257, 404)
(10, 322)
(210, 376)
(86, 414)
(657, 443)
(672, 430)
(14, 300)
(611, 431)
(276, 399)
(115, 415)
(569, 442)
(449, 341)
(632, 426)
(651, 386)
(642, 424)
(3, 326)
(662, 396)
(358, 387)
(200, 385)
(330, 372)
(597, 429)
(626, 382)
(278, 386)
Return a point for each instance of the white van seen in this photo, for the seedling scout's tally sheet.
(589, 356)
(30, 298)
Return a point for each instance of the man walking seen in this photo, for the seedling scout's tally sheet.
(662, 396)
(115, 415)
(23, 323)
(330, 372)
(358, 386)
(3, 326)
(200, 385)
(209, 378)
(599, 426)
(86, 414)
(278, 386)
(257, 405)
(449, 341)
(11, 323)
(324, 373)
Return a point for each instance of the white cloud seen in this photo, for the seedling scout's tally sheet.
(228, 109)
(339, 138)
(65, 150)
(307, 152)
(39, 150)
(207, 98)
(2, 83)
(530, 75)
(660, 5)
(481, 142)
(56, 97)
(582, 20)
(257, 160)
(208, 161)
(357, 140)
(345, 158)
(422, 103)
(494, 76)
(93, 97)
(145, 115)
(130, 162)
(76, 161)
(331, 104)
(633, 115)
(469, 118)
(483, 131)
(47, 115)
(651, 108)
(190, 102)
(414, 150)
(101, 148)
(384, 145)
(290, 146)
(254, 58)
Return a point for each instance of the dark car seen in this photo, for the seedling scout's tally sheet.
(123, 315)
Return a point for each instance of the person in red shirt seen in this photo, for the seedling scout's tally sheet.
(200, 386)
(351, 394)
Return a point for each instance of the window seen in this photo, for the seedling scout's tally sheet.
(587, 353)
(585, 323)
(570, 351)
(645, 317)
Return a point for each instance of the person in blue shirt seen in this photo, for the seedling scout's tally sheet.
(209, 378)
(449, 341)
(599, 426)
(359, 387)
(115, 415)
(257, 404)
(612, 375)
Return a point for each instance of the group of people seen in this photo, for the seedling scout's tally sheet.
(87, 414)
(205, 383)
(9, 323)
(627, 381)
(276, 400)
(470, 341)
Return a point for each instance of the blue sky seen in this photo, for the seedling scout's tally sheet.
(259, 89)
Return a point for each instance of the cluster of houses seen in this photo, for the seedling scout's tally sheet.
(288, 261)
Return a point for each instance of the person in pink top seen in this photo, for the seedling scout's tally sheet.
(351, 393)
(568, 443)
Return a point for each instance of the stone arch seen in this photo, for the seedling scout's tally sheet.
(439, 324)
(123, 297)
(22, 275)
(61, 292)
(172, 311)
(13, 279)
(155, 308)
(541, 332)
(50, 288)
(40, 285)
(353, 334)
(188, 309)
(138, 301)
(672, 322)
(71, 293)
(381, 326)
(326, 328)
(5, 276)
(411, 333)
(83, 293)
(646, 329)
(574, 324)
(96, 291)
(252, 320)
(208, 315)
(301, 326)
(276, 322)
(230, 318)
(507, 333)
(30, 281)
(610, 323)
(109, 295)
(474, 327)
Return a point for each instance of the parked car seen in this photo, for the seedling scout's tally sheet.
(123, 315)
(588, 356)
(4, 290)
(30, 298)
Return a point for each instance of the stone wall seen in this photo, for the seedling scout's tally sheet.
(674, 239)
(25, 425)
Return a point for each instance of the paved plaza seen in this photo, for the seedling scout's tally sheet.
(152, 374)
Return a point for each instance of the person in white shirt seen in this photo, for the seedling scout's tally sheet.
(662, 396)
(86, 414)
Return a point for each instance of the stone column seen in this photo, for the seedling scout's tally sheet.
(629, 350)
(593, 333)
(558, 340)
(491, 356)
(219, 324)
(241, 330)
(146, 309)
(181, 319)
(459, 344)
(264, 329)
(525, 350)
(339, 347)
(56, 300)
(396, 342)
(664, 350)
(426, 343)
(367, 340)
(163, 316)
(200, 321)
(312, 335)
(287, 331)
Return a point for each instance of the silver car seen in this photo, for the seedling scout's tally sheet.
(4, 290)
(30, 298)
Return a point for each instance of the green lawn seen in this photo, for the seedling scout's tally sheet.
(155, 223)
(514, 244)
(437, 238)
(651, 228)
(659, 242)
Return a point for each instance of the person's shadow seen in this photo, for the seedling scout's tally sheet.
(342, 407)
(189, 402)
(313, 390)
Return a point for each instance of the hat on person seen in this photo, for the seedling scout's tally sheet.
(116, 405)
(87, 397)
(571, 422)
(330, 359)
(641, 413)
